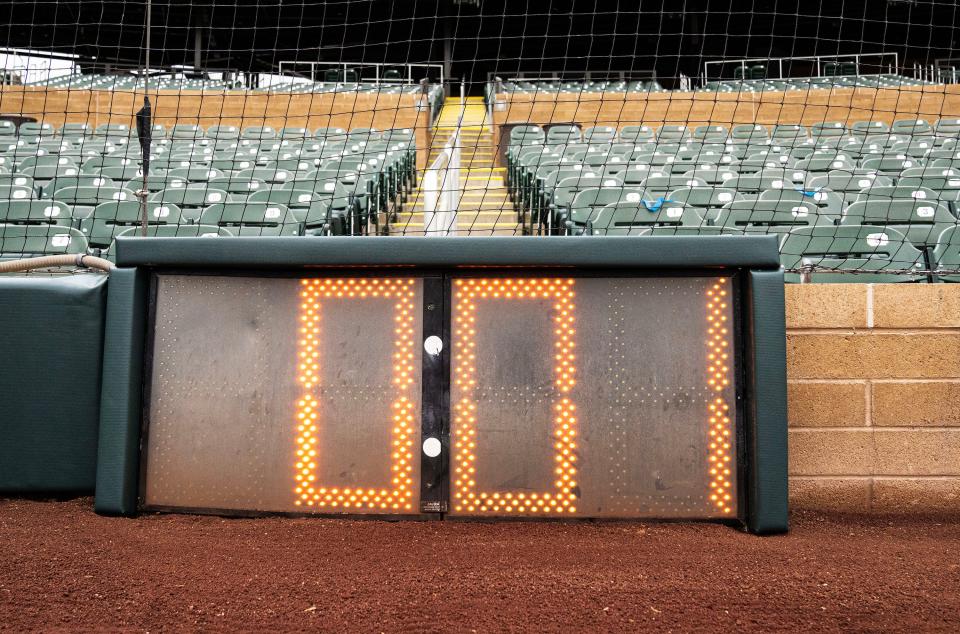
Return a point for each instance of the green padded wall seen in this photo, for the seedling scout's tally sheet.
(51, 343)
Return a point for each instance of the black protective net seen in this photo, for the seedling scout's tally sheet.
(833, 126)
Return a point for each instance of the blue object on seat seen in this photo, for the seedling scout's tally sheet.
(654, 206)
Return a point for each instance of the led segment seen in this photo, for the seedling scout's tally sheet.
(561, 499)
(399, 497)
(718, 371)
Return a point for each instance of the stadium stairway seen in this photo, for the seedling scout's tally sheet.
(484, 206)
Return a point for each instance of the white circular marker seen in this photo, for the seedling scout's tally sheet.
(433, 345)
(431, 447)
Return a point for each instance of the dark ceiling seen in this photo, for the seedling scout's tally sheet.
(504, 37)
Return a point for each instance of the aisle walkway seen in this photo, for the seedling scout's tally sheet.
(484, 207)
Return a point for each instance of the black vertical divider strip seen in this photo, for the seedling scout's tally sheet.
(435, 402)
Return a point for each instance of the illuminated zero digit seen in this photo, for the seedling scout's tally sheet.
(399, 497)
(718, 372)
(467, 497)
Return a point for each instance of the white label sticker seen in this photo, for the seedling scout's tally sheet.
(329, 187)
(724, 197)
(610, 183)
(953, 182)
(19, 194)
(878, 239)
(432, 447)
(800, 212)
(819, 196)
(908, 163)
(51, 212)
(120, 195)
(798, 176)
(589, 175)
(674, 212)
(304, 198)
(70, 171)
(62, 160)
(925, 211)
(864, 182)
(777, 184)
(20, 180)
(433, 345)
(633, 197)
(272, 212)
(60, 240)
(177, 183)
(837, 164)
(918, 194)
(209, 235)
(281, 176)
(214, 197)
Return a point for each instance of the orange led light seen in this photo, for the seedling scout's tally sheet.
(308, 492)
(718, 373)
(466, 497)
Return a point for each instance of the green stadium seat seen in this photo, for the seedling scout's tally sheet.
(7, 128)
(83, 199)
(827, 129)
(48, 167)
(708, 200)
(83, 180)
(829, 204)
(921, 221)
(711, 133)
(769, 216)
(749, 132)
(865, 128)
(946, 255)
(637, 133)
(29, 240)
(186, 131)
(223, 132)
(911, 126)
(36, 128)
(195, 173)
(251, 219)
(268, 175)
(35, 212)
(627, 218)
(75, 130)
(874, 254)
(16, 192)
(600, 134)
(588, 202)
(563, 134)
(191, 199)
(113, 218)
(237, 188)
(948, 128)
(16, 180)
(258, 132)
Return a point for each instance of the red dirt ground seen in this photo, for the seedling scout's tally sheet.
(63, 567)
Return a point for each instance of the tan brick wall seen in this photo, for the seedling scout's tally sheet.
(874, 397)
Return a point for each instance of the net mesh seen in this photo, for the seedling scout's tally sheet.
(832, 126)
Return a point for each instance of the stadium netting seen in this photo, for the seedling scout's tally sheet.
(833, 126)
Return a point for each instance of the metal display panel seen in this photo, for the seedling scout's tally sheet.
(284, 395)
(663, 356)
(594, 397)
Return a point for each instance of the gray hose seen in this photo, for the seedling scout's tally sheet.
(48, 261)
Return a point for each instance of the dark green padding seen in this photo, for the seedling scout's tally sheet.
(118, 459)
(51, 340)
(623, 252)
(767, 416)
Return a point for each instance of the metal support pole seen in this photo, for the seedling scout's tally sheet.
(145, 165)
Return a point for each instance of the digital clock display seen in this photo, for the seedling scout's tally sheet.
(561, 396)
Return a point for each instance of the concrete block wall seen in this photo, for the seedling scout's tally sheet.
(874, 397)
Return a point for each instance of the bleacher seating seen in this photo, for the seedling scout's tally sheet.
(804, 184)
(76, 187)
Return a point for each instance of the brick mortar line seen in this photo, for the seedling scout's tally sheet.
(874, 428)
(864, 381)
(913, 478)
(867, 332)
